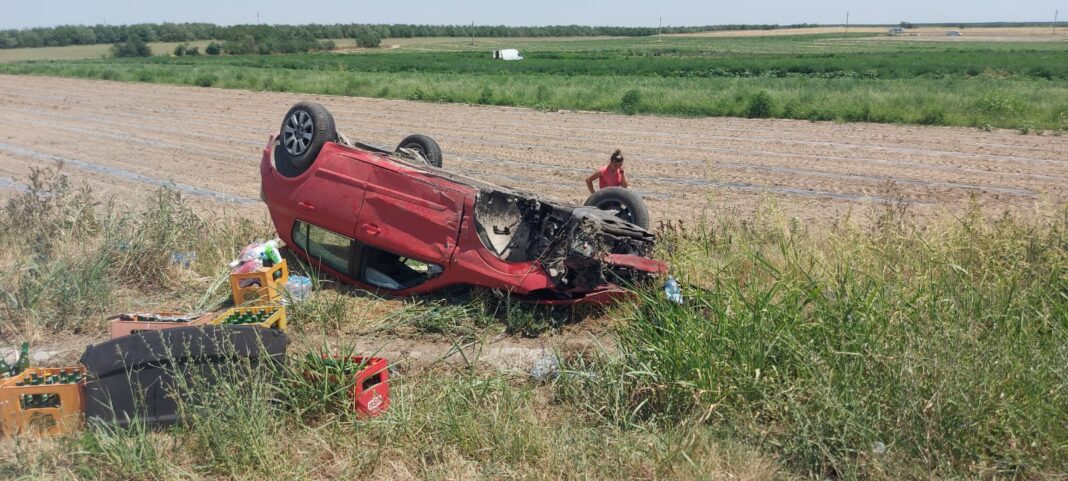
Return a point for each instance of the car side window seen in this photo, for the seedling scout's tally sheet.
(391, 271)
(332, 249)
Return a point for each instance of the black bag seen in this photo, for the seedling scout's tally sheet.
(138, 376)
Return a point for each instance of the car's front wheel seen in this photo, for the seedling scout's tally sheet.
(305, 129)
(627, 205)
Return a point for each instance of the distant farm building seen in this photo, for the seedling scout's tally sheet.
(895, 31)
(507, 54)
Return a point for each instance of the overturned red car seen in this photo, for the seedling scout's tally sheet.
(396, 222)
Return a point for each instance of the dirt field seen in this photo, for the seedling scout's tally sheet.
(780, 32)
(126, 139)
(986, 34)
(980, 34)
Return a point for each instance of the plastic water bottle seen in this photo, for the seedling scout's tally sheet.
(298, 287)
(672, 290)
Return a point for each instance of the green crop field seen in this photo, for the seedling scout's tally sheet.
(828, 76)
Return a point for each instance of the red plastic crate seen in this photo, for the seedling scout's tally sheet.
(370, 387)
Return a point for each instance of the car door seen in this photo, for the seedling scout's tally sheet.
(409, 215)
(333, 195)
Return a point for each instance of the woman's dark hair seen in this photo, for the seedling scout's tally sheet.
(618, 154)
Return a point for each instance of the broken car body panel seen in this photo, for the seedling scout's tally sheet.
(381, 221)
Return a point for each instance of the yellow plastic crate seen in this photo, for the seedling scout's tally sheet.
(262, 286)
(61, 409)
(275, 316)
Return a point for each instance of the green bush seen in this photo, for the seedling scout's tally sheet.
(631, 103)
(932, 116)
(486, 96)
(184, 49)
(367, 38)
(759, 106)
(134, 46)
(542, 95)
(206, 80)
(213, 49)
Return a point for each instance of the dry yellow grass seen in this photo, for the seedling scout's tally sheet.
(780, 32)
(921, 33)
(79, 52)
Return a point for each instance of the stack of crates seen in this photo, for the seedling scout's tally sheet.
(42, 400)
(261, 286)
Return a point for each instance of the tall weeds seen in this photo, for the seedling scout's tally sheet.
(888, 351)
(67, 252)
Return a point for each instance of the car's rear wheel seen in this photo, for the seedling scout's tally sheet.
(627, 205)
(425, 146)
(305, 129)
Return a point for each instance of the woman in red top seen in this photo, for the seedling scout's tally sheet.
(610, 175)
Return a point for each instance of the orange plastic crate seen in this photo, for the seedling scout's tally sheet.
(262, 286)
(66, 414)
(125, 325)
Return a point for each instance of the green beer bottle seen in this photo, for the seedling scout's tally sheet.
(23, 361)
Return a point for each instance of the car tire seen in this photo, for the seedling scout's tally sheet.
(426, 146)
(305, 129)
(628, 205)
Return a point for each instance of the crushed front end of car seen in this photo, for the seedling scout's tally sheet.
(582, 249)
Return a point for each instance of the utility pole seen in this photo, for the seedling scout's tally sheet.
(660, 29)
(257, 18)
(847, 21)
(472, 32)
(1055, 13)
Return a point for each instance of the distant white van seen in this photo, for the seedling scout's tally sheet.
(507, 54)
(895, 31)
(952, 33)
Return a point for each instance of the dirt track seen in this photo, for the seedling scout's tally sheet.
(122, 137)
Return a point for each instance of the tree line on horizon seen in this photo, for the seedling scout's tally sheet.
(369, 35)
(184, 32)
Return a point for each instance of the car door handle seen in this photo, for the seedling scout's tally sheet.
(306, 205)
(371, 229)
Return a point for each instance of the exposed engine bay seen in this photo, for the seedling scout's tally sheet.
(572, 243)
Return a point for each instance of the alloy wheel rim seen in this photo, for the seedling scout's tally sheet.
(297, 133)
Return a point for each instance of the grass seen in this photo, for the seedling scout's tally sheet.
(81, 52)
(72, 256)
(444, 425)
(839, 77)
(891, 351)
(874, 348)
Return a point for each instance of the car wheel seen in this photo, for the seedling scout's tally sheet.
(305, 129)
(627, 205)
(426, 147)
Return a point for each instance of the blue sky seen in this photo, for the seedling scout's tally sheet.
(35, 13)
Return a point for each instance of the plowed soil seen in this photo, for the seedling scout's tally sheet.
(126, 139)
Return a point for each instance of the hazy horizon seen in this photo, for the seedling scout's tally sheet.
(631, 13)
